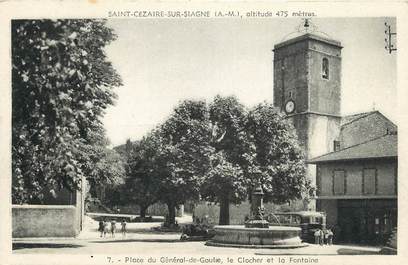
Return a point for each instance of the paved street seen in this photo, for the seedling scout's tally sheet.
(153, 244)
(143, 241)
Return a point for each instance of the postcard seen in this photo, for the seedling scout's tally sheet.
(194, 132)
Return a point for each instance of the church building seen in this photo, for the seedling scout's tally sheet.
(352, 160)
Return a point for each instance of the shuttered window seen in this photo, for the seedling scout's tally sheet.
(339, 182)
(369, 181)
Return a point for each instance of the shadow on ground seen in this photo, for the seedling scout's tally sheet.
(347, 252)
(17, 246)
(153, 231)
(152, 240)
(350, 251)
(143, 231)
(340, 251)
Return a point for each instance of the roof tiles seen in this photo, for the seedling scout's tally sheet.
(381, 147)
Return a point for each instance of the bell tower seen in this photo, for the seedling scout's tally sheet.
(307, 88)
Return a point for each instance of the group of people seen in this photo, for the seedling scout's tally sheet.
(104, 228)
(323, 236)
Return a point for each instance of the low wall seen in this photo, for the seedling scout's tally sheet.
(238, 212)
(44, 221)
(157, 209)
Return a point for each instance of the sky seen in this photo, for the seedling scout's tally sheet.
(163, 61)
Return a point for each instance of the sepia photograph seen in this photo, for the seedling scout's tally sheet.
(204, 137)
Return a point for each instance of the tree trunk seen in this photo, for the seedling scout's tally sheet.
(143, 210)
(172, 214)
(224, 211)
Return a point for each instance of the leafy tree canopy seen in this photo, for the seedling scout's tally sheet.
(185, 152)
(220, 151)
(278, 162)
(61, 85)
(142, 180)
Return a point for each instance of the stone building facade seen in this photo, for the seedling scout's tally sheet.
(352, 159)
(357, 188)
(307, 86)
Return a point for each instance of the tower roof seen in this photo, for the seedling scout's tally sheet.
(309, 36)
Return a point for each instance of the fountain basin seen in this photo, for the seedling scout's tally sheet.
(241, 236)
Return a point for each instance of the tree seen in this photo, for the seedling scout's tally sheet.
(226, 181)
(251, 148)
(218, 152)
(106, 172)
(142, 181)
(61, 85)
(278, 163)
(184, 155)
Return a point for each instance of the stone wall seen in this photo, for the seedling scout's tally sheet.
(324, 94)
(298, 70)
(290, 72)
(156, 209)
(44, 221)
(364, 129)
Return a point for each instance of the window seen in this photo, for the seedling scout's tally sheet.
(339, 182)
(369, 181)
(325, 68)
(336, 145)
(290, 94)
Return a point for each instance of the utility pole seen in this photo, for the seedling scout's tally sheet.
(389, 46)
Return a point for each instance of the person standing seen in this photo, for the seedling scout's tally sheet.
(317, 236)
(326, 236)
(330, 237)
(101, 228)
(113, 228)
(321, 237)
(123, 227)
(105, 228)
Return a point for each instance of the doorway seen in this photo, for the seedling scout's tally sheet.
(366, 222)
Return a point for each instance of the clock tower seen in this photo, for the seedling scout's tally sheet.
(307, 88)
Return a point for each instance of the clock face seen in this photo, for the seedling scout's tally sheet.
(290, 107)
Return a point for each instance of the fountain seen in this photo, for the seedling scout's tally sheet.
(256, 233)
